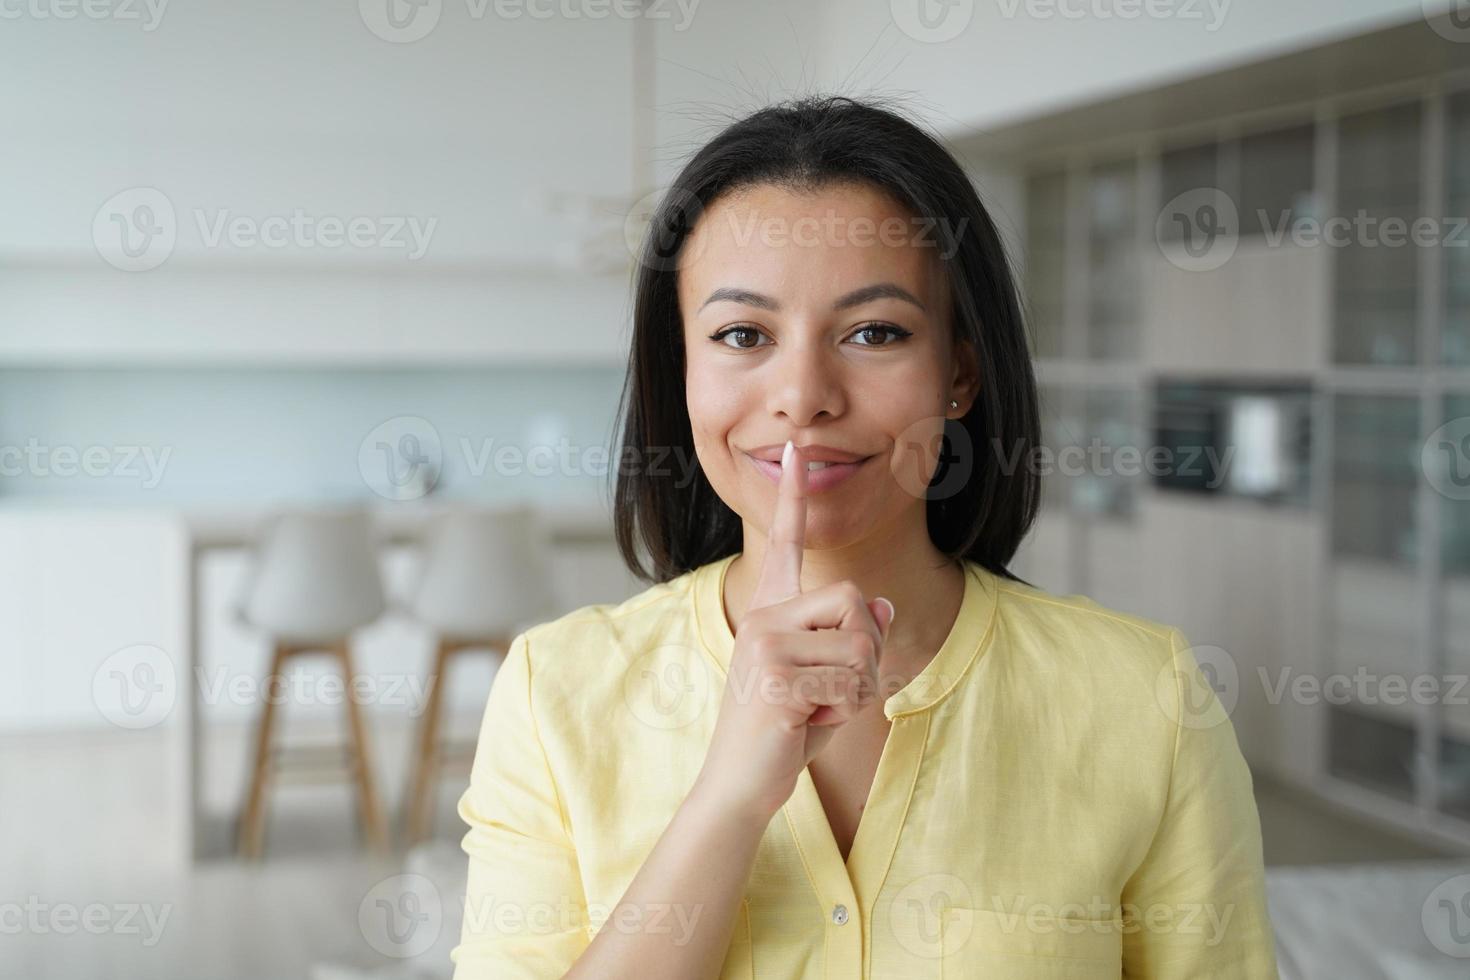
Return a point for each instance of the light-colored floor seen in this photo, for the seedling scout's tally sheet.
(87, 822)
(1298, 828)
(81, 817)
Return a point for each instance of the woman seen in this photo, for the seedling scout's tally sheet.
(837, 738)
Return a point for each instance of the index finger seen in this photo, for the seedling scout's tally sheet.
(780, 576)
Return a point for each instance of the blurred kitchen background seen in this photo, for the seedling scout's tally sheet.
(313, 320)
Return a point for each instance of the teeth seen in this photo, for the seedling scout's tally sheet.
(815, 465)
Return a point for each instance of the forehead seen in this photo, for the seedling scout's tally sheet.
(807, 243)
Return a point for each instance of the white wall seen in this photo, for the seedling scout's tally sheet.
(1009, 59)
(266, 106)
(261, 110)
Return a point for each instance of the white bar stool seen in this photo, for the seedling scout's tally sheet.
(485, 577)
(314, 581)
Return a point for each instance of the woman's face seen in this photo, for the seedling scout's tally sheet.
(823, 318)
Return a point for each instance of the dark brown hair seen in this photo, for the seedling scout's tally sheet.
(978, 508)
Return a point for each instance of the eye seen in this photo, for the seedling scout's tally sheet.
(898, 333)
(868, 330)
(720, 335)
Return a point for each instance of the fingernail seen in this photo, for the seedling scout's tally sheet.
(891, 611)
(786, 456)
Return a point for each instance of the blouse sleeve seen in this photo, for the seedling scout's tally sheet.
(1195, 907)
(525, 915)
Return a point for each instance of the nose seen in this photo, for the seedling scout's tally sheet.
(805, 384)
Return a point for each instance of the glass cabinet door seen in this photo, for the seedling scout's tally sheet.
(1455, 339)
(1046, 252)
(1453, 500)
(1061, 427)
(1375, 605)
(1085, 430)
(1183, 170)
(1112, 283)
(1276, 179)
(1113, 422)
(1375, 302)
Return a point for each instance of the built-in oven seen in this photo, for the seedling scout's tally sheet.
(1240, 437)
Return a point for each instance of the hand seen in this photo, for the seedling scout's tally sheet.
(803, 665)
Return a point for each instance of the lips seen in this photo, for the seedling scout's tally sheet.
(815, 451)
(820, 476)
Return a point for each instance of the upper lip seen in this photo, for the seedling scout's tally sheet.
(813, 452)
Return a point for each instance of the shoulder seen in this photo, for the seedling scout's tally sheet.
(580, 659)
(1077, 630)
(1133, 682)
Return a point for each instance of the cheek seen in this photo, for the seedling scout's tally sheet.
(716, 397)
(715, 408)
(916, 447)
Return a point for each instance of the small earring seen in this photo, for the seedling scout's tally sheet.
(953, 403)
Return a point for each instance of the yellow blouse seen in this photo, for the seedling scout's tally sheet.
(1061, 795)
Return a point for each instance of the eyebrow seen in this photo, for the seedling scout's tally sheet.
(866, 294)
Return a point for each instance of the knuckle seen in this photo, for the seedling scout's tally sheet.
(765, 649)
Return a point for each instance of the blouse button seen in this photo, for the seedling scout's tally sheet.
(839, 914)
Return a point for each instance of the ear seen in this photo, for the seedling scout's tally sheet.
(965, 384)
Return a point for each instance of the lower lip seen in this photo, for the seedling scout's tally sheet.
(825, 478)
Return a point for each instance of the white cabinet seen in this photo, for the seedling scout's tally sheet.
(77, 586)
(1231, 574)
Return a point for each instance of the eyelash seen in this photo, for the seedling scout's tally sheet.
(899, 333)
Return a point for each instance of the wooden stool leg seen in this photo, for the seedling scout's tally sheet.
(374, 831)
(420, 802)
(251, 834)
